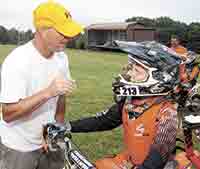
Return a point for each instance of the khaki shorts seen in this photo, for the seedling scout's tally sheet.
(12, 159)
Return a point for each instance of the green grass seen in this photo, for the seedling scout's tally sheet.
(93, 72)
(4, 50)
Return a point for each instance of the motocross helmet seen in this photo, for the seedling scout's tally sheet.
(160, 63)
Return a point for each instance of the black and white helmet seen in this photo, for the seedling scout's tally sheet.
(160, 63)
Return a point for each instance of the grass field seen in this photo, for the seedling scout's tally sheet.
(93, 72)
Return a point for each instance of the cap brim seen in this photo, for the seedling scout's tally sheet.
(70, 29)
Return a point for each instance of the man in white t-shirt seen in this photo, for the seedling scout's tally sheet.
(35, 81)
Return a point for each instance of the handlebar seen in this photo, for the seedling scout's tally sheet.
(57, 136)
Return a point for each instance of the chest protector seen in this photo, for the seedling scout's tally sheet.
(139, 133)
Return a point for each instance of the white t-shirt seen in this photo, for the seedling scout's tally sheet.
(24, 73)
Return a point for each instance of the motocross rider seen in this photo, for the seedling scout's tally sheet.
(143, 106)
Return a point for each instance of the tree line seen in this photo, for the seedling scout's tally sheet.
(165, 26)
(189, 34)
(14, 36)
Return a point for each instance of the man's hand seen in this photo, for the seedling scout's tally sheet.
(59, 86)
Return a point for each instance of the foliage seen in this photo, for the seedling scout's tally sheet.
(166, 27)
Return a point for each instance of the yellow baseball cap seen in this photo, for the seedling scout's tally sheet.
(52, 14)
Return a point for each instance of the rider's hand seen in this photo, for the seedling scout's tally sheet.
(60, 86)
(55, 127)
(53, 131)
(61, 126)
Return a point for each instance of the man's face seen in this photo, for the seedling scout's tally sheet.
(174, 42)
(135, 73)
(54, 41)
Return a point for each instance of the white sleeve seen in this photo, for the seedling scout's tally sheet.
(13, 82)
(65, 67)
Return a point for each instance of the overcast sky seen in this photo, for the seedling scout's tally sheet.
(18, 13)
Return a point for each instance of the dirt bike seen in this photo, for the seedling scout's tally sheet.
(59, 137)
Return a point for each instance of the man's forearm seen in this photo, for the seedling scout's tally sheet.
(15, 111)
